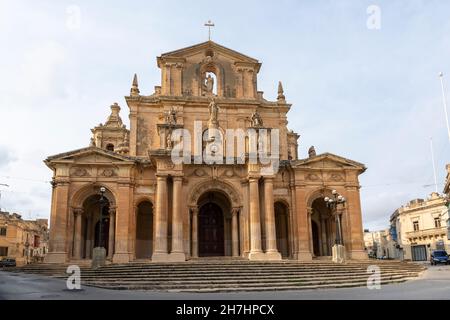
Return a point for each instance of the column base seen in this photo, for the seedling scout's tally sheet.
(56, 257)
(121, 257)
(273, 255)
(358, 255)
(257, 255)
(303, 256)
(338, 253)
(177, 257)
(98, 257)
(160, 257)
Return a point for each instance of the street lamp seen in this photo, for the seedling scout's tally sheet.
(99, 252)
(102, 202)
(333, 204)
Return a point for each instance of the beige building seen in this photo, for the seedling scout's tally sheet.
(420, 227)
(381, 244)
(24, 240)
(161, 210)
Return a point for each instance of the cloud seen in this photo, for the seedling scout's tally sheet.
(6, 157)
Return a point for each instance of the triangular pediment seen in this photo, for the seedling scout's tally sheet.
(90, 154)
(329, 161)
(202, 47)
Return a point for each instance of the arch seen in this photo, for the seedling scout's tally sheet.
(322, 232)
(225, 188)
(144, 230)
(210, 65)
(316, 194)
(281, 211)
(80, 195)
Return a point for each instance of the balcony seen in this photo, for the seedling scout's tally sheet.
(432, 232)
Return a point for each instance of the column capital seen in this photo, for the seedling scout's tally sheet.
(112, 210)
(253, 178)
(177, 178)
(235, 210)
(78, 211)
(269, 179)
(309, 210)
(161, 176)
(194, 210)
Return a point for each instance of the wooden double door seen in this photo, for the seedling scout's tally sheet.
(211, 231)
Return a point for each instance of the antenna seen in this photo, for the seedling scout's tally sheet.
(434, 165)
(444, 100)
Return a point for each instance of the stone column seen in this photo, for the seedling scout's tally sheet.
(271, 237)
(255, 222)
(234, 233)
(160, 252)
(112, 230)
(304, 249)
(78, 214)
(59, 214)
(353, 207)
(195, 232)
(177, 253)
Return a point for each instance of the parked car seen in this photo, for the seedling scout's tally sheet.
(439, 256)
(8, 262)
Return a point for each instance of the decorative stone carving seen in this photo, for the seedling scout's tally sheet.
(209, 84)
(108, 172)
(256, 119)
(215, 185)
(171, 116)
(80, 172)
(199, 172)
(336, 177)
(312, 152)
(312, 177)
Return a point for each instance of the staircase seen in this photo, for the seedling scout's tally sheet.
(233, 275)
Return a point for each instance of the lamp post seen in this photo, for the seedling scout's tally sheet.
(99, 252)
(333, 204)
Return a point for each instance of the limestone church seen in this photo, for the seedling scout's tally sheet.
(157, 210)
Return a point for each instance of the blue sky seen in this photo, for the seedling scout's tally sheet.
(370, 95)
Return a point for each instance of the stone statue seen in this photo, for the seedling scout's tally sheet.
(213, 111)
(312, 152)
(256, 119)
(92, 143)
(169, 140)
(171, 116)
(209, 84)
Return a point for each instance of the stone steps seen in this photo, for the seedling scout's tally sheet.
(230, 275)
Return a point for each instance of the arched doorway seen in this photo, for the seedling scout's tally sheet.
(322, 228)
(214, 225)
(92, 234)
(282, 231)
(144, 230)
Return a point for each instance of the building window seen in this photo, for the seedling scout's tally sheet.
(416, 225)
(3, 231)
(110, 147)
(437, 222)
(3, 251)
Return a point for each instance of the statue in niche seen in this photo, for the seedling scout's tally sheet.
(169, 140)
(209, 84)
(256, 119)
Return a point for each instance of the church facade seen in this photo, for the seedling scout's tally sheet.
(163, 203)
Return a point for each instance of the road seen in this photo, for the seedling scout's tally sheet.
(433, 284)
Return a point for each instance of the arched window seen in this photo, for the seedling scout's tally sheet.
(110, 147)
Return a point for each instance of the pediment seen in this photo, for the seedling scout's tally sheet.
(202, 47)
(329, 161)
(88, 155)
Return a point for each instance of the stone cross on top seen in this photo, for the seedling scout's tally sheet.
(209, 24)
